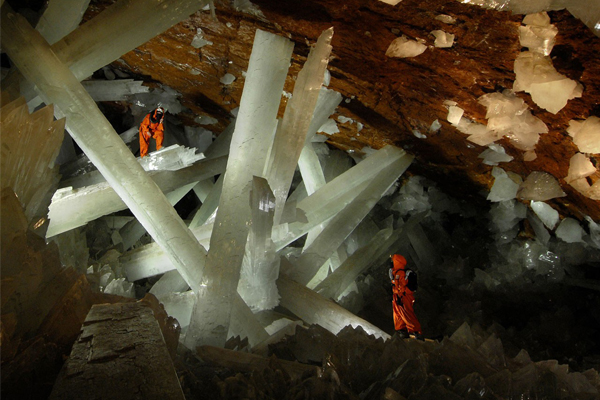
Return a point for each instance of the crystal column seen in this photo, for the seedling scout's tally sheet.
(256, 120)
(291, 135)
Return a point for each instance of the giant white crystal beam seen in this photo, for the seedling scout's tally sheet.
(96, 137)
(343, 223)
(209, 206)
(30, 144)
(73, 208)
(293, 130)
(203, 189)
(260, 267)
(116, 90)
(60, 18)
(337, 282)
(245, 324)
(117, 30)
(256, 120)
(336, 194)
(134, 230)
(170, 282)
(151, 260)
(308, 163)
(316, 309)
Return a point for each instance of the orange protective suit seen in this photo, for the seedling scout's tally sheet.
(403, 298)
(152, 127)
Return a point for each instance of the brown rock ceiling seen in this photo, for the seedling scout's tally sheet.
(390, 96)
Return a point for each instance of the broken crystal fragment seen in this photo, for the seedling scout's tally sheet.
(586, 134)
(435, 126)
(508, 115)
(538, 35)
(404, 47)
(536, 75)
(570, 231)
(227, 79)
(546, 213)
(443, 39)
(447, 19)
(495, 154)
(540, 186)
(329, 127)
(198, 41)
(454, 114)
(580, 166)
(505, 187)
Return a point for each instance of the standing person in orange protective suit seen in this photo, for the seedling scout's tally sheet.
(404, 285)
(152, 127)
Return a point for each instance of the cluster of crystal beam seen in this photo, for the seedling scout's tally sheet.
(71, 208)
(96, 137)
(30, 144)
(252, 137)
(347, 219)
(119, 29)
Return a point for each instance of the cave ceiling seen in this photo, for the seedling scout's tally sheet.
(391, 97)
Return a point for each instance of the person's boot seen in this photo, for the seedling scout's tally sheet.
(402, 334)
(418, 336)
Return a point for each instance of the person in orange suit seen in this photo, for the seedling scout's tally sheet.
(152, 127)
(406, 323)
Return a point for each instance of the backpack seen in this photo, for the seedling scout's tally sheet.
(411, 280)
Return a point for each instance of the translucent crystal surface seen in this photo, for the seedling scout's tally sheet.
(570, 231)
(586, 134)
(495, 154)
(256, 120)
(293, 130)
(538, 34)
(260, 267)
(508, 115)
(546, 213)
(540, 186)
(404, 47)
(505, 187)
(443, 39)
(61, 18)
(116, 90)
(536, 75)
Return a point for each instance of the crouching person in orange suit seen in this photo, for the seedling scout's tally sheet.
(152, 127)
(404, 285)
